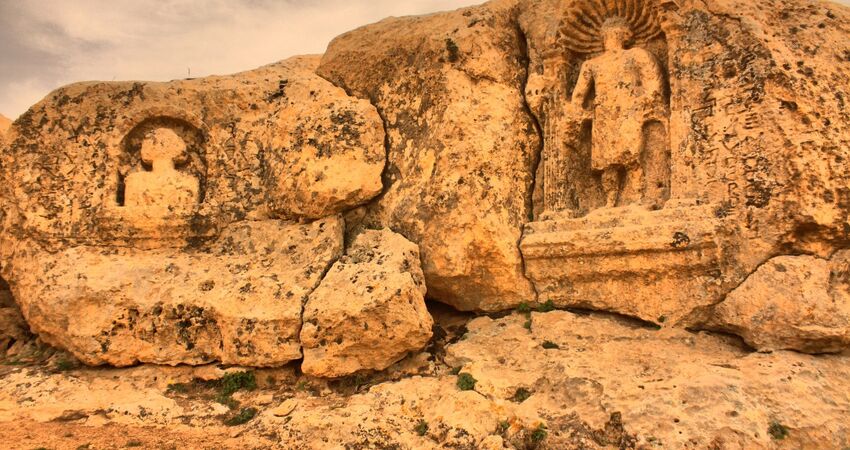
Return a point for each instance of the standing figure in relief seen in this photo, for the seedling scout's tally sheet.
(629, 91)
(163, 190)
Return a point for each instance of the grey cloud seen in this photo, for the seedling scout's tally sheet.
(45, 44)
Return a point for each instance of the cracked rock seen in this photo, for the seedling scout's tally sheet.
(369, 310)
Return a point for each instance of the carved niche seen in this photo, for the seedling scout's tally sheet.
(161, 171)
(613, 233)
(606, 119)
(160, 183)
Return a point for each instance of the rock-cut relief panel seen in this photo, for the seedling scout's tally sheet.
(160, 182)
(609, 222)
(605, 110)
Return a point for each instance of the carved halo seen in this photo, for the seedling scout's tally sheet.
(581, 29)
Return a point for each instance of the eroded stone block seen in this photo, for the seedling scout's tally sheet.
(792, 303)
(369, 311)
(237, 300)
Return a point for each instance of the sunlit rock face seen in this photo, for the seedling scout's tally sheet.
(650, 158)
(648, 155)
(156, 222)
(369, 310)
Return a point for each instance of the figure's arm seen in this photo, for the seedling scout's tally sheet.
(652, 75)
(585, 81)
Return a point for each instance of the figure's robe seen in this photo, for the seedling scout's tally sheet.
(628, 93)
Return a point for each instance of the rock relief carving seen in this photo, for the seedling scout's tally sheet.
(605, 143)
(162, 189)
(609, 222)
(156, 195)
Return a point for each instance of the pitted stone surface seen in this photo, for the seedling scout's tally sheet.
(792, 303)
(237, 301)
(369, 311)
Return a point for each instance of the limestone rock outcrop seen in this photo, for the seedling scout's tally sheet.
(369, 310)
(792, 303)
(238, 300)
(709, 147)
(462, 149)
(641, 157)
(5, 124)
(155, 222)
(497, 116)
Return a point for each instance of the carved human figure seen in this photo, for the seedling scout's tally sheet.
(629, 91)
(162, 190)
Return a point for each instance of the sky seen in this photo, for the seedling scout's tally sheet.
(45, 44)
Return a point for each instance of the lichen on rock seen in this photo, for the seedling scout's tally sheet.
(369, 310)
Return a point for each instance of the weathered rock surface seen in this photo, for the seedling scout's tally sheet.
(641, 388)
(147, 221)
(594, 382)
(5, 124)
(237, 300)
(462, 149)
(792, 302)
(740, 155)
(369, 310)
(749, 125)
(275, 142)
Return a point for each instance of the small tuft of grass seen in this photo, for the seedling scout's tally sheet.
(662, 319)
(539, 434)
(177, 388)
(549, 306)
(522, 394)
(421, 428)
(237, 381)
(777, 431)
(456, 370)
(549, 345)
(244, 416)
(453, 50)
(502, 427)
(227, 401)
(527, 325)
(523, 308)
(64, 365)
(466, 382)
(232, 383)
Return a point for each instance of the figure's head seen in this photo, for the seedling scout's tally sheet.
(615, 33)
(162, 144)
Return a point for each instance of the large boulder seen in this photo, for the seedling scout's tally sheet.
(792, 303)
(748, 130)
(462, 149)
(156, 222)
(238, 300)
(369, 311)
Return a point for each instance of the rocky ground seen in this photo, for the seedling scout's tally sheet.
(527, 380)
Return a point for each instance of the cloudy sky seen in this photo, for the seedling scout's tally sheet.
(45, 44)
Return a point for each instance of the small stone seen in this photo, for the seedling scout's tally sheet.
(286, 408)
(264, 399)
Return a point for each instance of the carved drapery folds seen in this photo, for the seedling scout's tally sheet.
(612, 221)
(603, 102)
